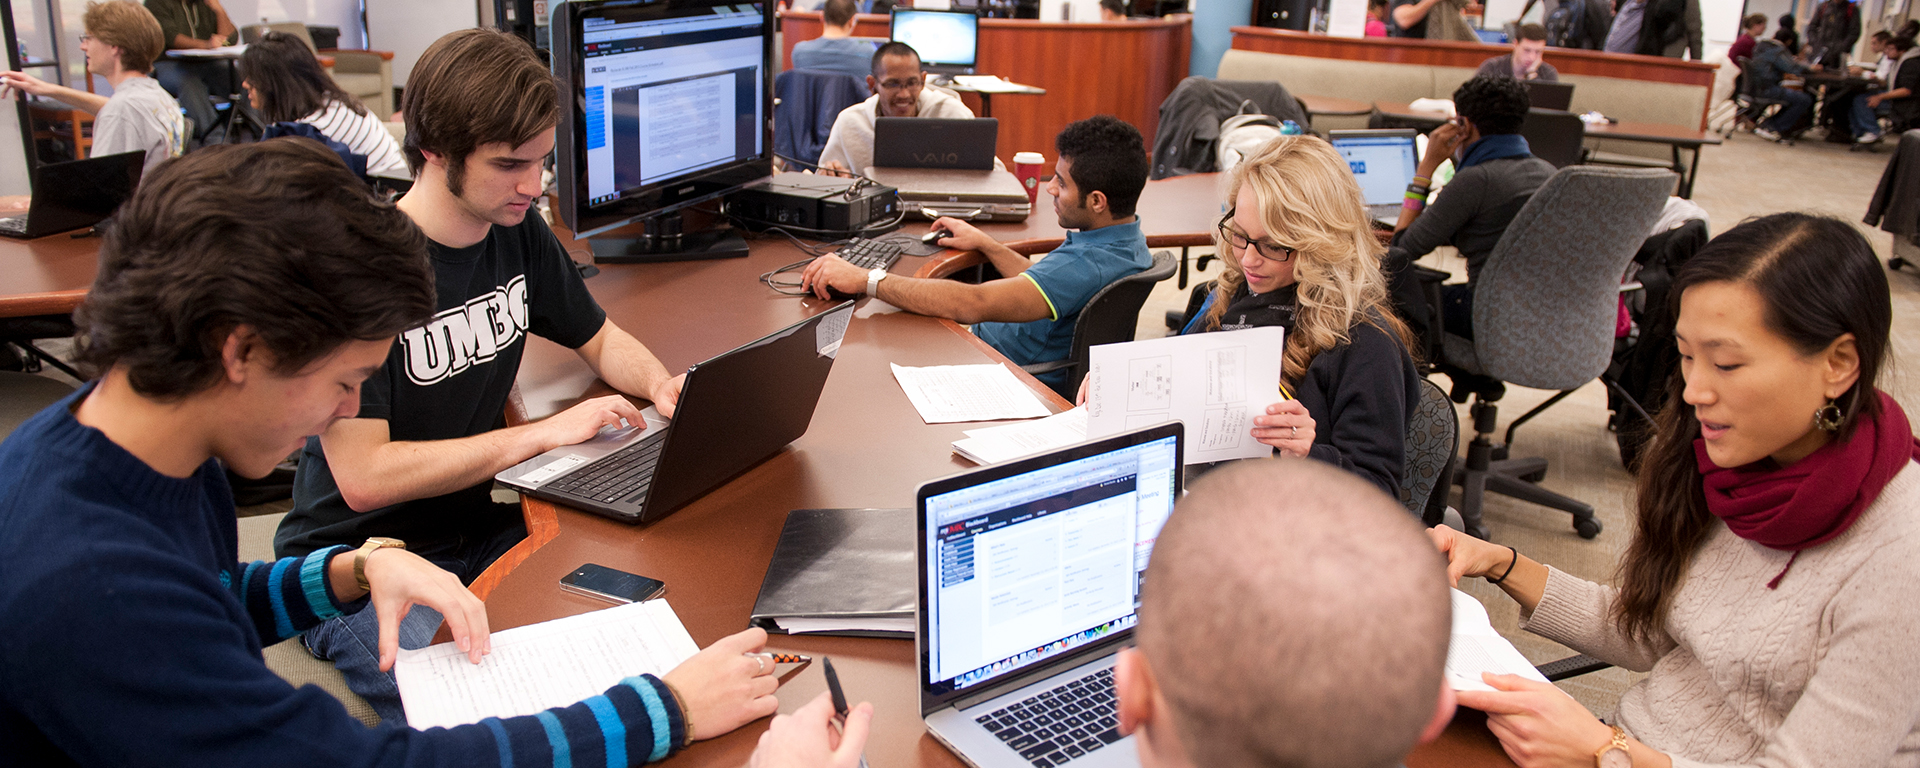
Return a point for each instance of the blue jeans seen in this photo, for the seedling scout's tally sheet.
(352, 642)
(1795, 106)
(1866, 119)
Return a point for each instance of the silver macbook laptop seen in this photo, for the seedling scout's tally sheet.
(1029, 583)
(1384, 162)
(989, 195)
(735, 410)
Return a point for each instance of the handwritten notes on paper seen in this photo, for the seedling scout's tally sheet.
(992, 445)
(538, 666)
(985, 392)
(1214, 383)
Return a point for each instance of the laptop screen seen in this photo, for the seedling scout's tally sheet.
(1384, 164)
(1031, 566)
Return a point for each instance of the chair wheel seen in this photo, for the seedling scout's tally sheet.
(1587, 527)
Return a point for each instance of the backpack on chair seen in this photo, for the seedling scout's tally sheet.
(1242, 135)
(1566, 26)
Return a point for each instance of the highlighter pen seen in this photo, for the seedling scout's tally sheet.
(839, 700)
(789, 658)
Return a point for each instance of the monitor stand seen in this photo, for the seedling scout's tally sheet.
(664, 241)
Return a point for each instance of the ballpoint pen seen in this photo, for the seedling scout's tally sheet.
(839, 701)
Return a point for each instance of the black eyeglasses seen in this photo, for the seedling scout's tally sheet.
(1239, 242)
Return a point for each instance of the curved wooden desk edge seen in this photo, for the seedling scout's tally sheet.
(49, 303)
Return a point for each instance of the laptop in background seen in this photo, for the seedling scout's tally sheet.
(964, 144)
(1545, 95)
(76, 193)
(1030, 577)
(735, 410)
(1384, 161)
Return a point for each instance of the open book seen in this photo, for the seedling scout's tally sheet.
(540, 666)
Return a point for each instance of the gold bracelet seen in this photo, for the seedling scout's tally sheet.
(686, 718)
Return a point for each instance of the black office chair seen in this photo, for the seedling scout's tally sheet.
(1758, 106)
(1110, 317)
(1555, 136)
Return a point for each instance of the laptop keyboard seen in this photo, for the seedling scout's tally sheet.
(618, 475)
(1061, 724)
(14, 224)
(871, 254)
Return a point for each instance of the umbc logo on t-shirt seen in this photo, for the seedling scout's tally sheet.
(458, 338)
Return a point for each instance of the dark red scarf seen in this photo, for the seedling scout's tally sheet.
(1817, 498)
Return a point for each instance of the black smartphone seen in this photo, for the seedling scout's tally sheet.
(611, 584)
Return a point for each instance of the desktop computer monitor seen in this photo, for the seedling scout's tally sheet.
(948, 41)
(667, 104)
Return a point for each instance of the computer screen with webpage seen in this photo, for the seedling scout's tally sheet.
(669, 97)
(1383, 165)
(1033, 566)
(947, 41)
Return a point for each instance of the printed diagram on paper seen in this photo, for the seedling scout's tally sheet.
(1214, 383)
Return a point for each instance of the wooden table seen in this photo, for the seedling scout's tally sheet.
(47, 275)
(1333, 105)
(1674, 136)
(986, 96)
(866, 447)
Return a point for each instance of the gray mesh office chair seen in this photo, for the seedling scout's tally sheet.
(1433, 434)
(1110, 317)
(1544, 311)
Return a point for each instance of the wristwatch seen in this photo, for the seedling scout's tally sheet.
(1614, 754)
(360, 557)
(873, 280)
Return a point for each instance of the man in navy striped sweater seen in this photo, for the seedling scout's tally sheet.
(244, 294)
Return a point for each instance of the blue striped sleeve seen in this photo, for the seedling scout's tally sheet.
(289, 596)
(633, 723)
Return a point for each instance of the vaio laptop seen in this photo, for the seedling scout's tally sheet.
(935, 142)
(1384, 161)
(75, 194)
(735, 410)
(1029, 583)
(1545, 95)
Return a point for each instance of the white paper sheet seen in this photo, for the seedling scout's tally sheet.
(1215, 383)
(992, 445)
(948, 393)
(1477, 648)
(538, 666)
(798, 626)
(988, 84)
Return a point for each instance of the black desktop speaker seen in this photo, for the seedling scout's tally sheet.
(1296, 15)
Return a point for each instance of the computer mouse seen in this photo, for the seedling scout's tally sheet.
(936, 235)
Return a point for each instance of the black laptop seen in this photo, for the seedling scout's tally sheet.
(962, 144)
(1547, 95)
(75, 194)
(735, 410)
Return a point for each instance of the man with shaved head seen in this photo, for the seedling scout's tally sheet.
(1292, 615)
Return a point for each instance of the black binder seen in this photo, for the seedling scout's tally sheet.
(841, 564)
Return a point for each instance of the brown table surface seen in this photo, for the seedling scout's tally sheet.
(1333, 105)
(866, 447)
(1660, 133)
(47, 275)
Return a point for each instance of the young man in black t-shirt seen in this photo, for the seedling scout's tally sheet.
(417, 464)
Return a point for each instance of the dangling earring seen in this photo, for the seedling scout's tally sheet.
(1827, 417)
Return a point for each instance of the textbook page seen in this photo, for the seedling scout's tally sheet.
(986, 392)
(992, 445)
(1477, 648)
(539, 666)
(1215, 383)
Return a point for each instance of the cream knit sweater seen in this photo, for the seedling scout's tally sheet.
(1824, 671)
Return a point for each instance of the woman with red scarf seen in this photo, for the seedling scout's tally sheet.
(1772, 586)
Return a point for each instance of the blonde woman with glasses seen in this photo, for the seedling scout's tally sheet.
(1300, 253)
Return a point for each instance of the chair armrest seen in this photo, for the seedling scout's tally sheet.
(359, 62)
(384, 55)
(1631, 287)
(1430, 280)
(1571, 666)
(1051, 365)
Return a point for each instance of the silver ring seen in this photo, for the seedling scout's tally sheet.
(1296, 431)
(763, 664)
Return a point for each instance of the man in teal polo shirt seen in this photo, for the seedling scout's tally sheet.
(1028, 314)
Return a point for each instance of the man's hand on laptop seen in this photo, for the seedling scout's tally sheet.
(807, 738)
(964, 237)
(666, 397)
(833, 272)
(722, 687)
(584, 420)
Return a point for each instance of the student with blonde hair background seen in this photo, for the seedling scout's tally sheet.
(1300, 253)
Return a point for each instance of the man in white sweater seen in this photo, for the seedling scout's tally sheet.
(121, 42)
(899, 90)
